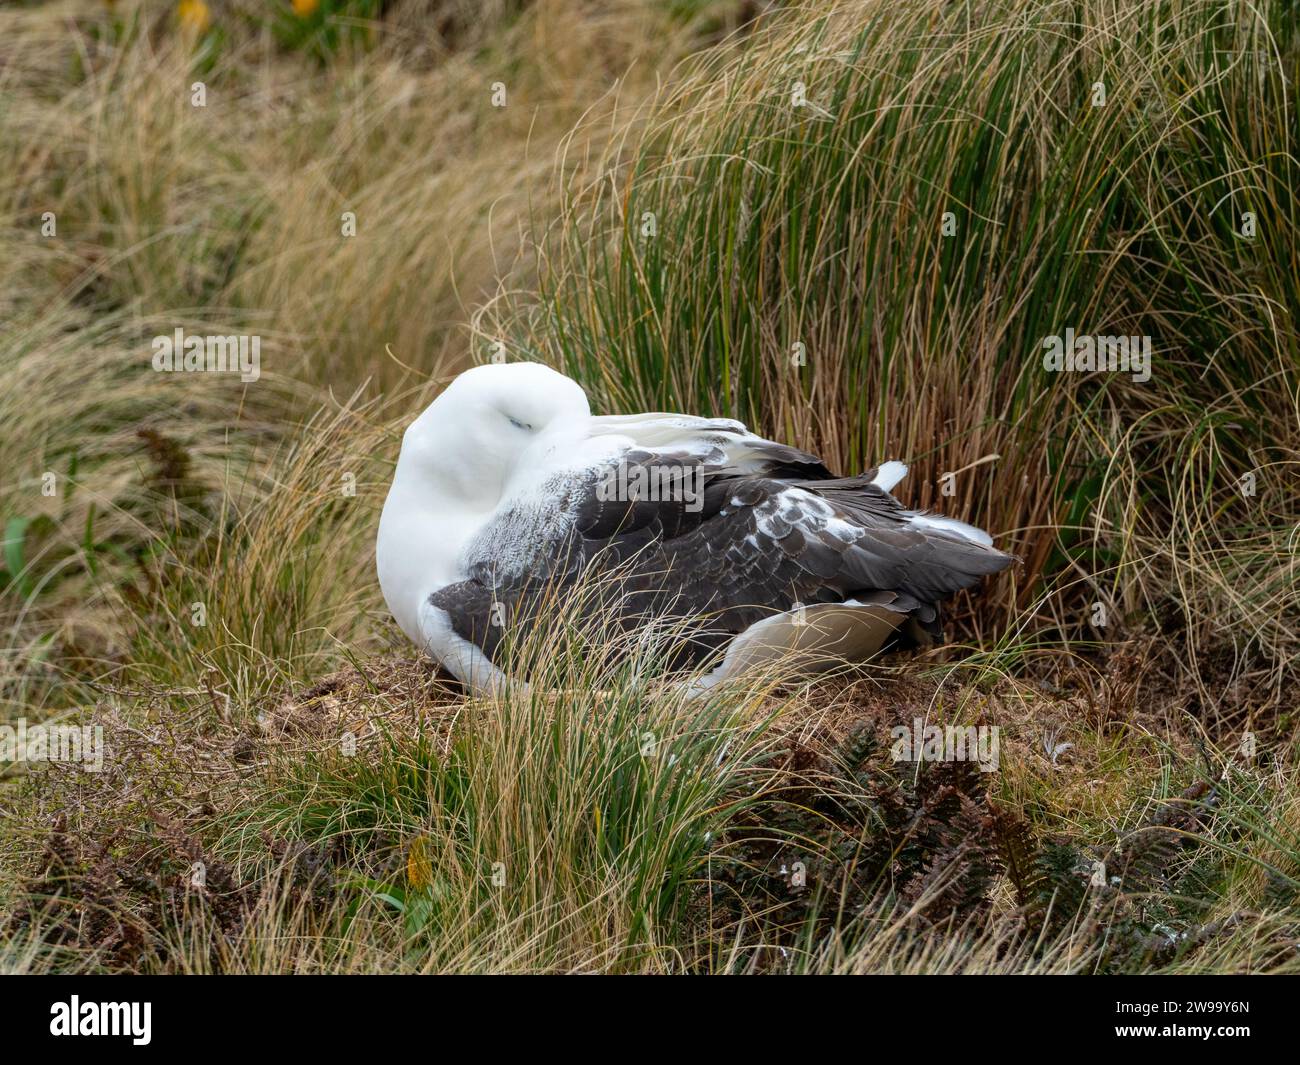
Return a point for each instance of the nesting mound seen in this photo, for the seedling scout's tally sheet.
(389, 693)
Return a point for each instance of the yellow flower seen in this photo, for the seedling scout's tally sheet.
(303, 8)
(194, 15)
(419, 864)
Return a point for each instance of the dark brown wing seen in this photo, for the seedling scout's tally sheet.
(686, 537)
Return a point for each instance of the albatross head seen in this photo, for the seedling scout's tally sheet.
(487, 424)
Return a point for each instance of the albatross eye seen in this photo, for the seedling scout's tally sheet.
(518, 424)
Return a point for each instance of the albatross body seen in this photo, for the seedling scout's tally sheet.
(507, 487)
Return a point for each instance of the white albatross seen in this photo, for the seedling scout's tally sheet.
(507, 484)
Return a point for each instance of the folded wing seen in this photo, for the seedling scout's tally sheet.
(699, 518)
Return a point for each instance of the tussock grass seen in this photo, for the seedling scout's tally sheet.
(560, 828)
(799, 277)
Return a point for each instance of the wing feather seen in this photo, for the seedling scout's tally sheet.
(731, 546)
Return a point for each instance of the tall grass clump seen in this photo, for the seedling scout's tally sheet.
(564, 824)
(858, 233)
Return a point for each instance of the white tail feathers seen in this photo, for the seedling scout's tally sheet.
(889, 474)
(953, 527)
